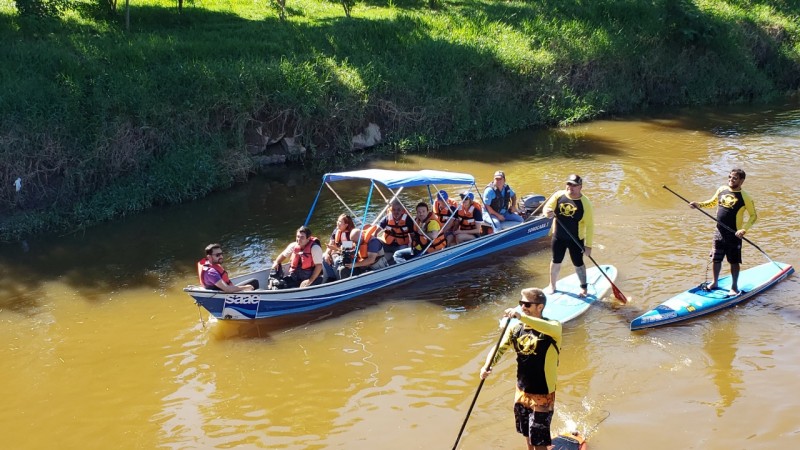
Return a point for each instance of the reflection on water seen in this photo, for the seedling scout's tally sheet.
(721, 342)
(102, 345)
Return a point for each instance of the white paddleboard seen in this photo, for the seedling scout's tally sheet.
(565, 304)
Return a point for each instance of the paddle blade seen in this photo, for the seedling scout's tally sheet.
(618, 294)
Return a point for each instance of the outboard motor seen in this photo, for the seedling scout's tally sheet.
(530, 205)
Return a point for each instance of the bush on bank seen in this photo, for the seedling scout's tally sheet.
(99, 122)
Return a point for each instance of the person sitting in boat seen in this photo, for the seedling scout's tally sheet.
(340, 238)
(500, 202)
(305, 260)
(444, 207)
(396, 227)
(370, 255)
(468, 219)
(213, 276)
(426, 229)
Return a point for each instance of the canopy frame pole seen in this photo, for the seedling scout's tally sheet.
(313, 205)
(352, 213)
(361, 235)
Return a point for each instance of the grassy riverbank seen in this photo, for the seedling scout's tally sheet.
(99, 122)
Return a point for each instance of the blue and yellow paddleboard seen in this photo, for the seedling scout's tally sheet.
(698, 302)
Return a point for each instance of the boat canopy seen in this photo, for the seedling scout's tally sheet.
(403, 178)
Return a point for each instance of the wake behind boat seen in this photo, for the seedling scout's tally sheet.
(263, 303)
(698, 301)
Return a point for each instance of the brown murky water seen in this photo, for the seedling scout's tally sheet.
(101, 348)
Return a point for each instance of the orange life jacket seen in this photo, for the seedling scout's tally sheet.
(301, 257)
(341, 236)
(419, 241)
(367, 233)
(204, 264)
(467, 218)
(444, 211)
(396, 231)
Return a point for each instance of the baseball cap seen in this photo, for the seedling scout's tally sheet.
(443, 195)
(500, 174)
(467, 194)
(575, 179)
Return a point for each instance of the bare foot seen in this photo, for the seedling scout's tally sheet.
(733, 293)
(549, 290)
(709, 287)
(583, 293)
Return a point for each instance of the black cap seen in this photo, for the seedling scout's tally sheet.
(575, 179)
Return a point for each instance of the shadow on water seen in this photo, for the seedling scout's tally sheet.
(158, 248)
(581, 144)
(533, 144)
(723, 121)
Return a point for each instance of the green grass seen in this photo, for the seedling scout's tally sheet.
(100, 122)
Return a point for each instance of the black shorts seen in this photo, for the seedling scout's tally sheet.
(728, 248)
(533, 425)
(559, 248)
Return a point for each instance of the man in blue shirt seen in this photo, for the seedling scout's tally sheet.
(500, 202)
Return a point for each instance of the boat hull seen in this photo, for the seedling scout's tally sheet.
(273, 303)
(697, 302)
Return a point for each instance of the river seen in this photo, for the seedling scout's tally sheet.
(102, 348)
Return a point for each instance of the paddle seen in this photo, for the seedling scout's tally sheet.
(617, 293)
(725, 226)
(497, 346)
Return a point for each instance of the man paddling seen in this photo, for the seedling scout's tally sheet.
(731, 202)
(573, 220)
(537, 341)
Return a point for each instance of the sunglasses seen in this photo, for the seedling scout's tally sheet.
(528, 304)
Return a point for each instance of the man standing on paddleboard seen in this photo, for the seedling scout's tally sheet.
(537, 341)
(731, 202)
(573, 229)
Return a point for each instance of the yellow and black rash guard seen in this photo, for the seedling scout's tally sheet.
(731, 206)
(577, 216)
(537, 343)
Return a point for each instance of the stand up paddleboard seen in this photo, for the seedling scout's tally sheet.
(698, 301)
(565, 304)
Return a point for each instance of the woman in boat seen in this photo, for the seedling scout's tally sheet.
(444, 207)
(340, 238)
(469, 218)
